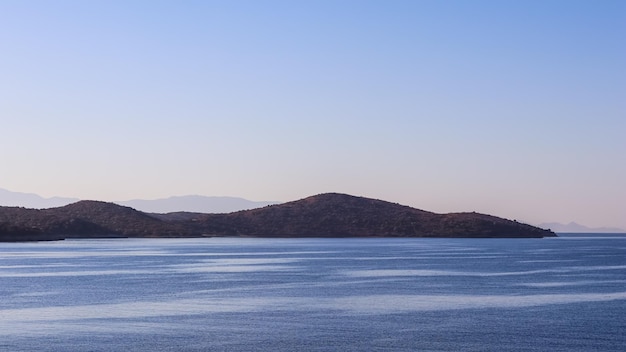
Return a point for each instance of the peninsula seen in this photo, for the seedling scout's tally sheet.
(324, 215)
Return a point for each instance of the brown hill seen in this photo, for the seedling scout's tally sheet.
(325, 215)
(341, 215)
(84, 219)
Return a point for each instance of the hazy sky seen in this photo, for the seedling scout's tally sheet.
(513, 108)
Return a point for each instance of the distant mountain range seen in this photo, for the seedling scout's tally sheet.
(573, 227)
(30, 200)
(192, 203)
(324, 215)
(197, 204)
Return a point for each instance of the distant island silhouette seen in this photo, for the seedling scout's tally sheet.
(324, 215)
(573, 227)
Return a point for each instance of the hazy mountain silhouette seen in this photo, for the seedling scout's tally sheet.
(199, 204)
(573, 227)
(196, 204)
(31, 200)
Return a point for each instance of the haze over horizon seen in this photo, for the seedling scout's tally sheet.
(516, 109)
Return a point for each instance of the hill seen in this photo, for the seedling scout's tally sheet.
(341, 215)
(83, 219)
(325, 215)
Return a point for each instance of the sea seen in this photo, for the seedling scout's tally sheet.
(360, 294)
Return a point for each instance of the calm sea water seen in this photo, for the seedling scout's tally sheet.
(561, 294)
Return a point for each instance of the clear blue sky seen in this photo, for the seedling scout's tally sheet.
(513, 108)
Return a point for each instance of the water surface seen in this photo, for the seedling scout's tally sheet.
(556, 294)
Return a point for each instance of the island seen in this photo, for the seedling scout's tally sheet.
(324, 215)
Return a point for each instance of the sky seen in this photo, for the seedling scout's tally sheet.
(512, 108)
